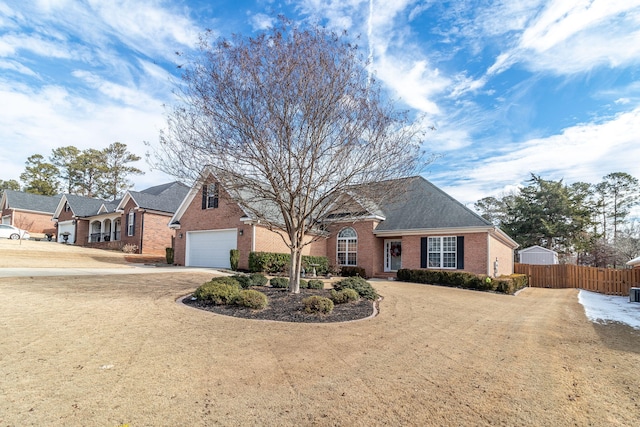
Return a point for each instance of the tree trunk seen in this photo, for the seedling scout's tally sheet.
(294, 271)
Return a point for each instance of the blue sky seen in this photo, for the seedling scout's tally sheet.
(512, 86)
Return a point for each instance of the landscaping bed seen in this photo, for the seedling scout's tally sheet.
(284, 306)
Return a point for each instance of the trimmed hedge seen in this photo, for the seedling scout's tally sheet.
(358, 284)
(279, 282)
(347, 271)
(315, 284)
(248, 280)
(317, 304)
(344, 296)
(220, 290)
(252, 299)
(504, 284)
(234, 258)
(272, 262)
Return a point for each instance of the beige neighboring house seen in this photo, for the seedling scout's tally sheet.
(31, 212)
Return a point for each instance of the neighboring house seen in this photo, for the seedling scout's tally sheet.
(31, 212)
(423, 227)
(634, 263)
(538, 255)
(139, 219)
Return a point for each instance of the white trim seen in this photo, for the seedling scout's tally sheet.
(346, 251)
(131, 223)
(387, 261)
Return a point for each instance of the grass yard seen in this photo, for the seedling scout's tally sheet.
(112, 350)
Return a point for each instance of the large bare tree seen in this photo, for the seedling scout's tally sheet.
(289, 121)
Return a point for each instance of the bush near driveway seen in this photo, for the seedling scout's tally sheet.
(358, 284)
(504, 284)
(219, 290)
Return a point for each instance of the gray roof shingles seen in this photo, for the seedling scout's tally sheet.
(32, 202)
(418, 204)
(162, 198)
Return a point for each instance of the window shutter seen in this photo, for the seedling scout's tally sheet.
(126, 223)
(460, 250)
(423, 252)
(204, 196)
(133, 229)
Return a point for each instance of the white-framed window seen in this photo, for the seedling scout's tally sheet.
(442, 252)
(347, 250)
(212, 196)
(131, 223)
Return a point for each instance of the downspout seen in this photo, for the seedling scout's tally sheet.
(488, 254)
(141, 228)
(253, 237)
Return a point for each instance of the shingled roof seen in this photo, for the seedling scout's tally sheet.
(419, 204)
(30, 202)
(82, 206)
(161, 198)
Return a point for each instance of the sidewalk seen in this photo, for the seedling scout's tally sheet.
(134, 269)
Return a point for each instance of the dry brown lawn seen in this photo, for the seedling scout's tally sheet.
(112, 350)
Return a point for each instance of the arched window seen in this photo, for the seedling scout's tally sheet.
(347, 247)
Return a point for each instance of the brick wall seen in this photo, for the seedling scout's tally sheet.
(504, 253)
(156, 235)
(136, 239)
(226, 215)
(31, 221)
(475, 251)
(369, 247)
(82, 232)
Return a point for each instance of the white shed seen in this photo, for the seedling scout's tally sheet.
(538, 255)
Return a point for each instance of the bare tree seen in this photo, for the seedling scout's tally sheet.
(289, 121)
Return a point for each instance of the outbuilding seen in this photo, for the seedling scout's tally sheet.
(538, 255)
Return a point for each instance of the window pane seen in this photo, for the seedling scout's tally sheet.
(449, 260)
(434, 244)
(342, 245)
(341, 258)
(351, 259)
(434, 260)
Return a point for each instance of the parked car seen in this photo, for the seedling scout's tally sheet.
(14, 233)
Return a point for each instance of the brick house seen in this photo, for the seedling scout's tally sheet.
(31, 212)
(139, 218)
(422, 228)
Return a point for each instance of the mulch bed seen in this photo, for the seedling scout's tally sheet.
(287, 307)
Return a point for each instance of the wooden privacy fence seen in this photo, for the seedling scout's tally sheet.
(603, 280)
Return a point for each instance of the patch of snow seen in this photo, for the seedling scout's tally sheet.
(601, 308)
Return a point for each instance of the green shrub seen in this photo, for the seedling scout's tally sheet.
(169, 255)
(315, 284)
(347, 271)
(252, 299)
(505, 284)
(358, 284)
(344, 296)
(304, 284)
(234, 258)
(243, 280)
(258, 279)
(279, 282)
(268, 262)
(220, 290)
(317, 304)
(272, 262)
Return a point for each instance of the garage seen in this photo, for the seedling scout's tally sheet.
(66, 227)
(210, 248)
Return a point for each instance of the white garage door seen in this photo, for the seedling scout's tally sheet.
(210, 248)
(6, 219)
(67, 227)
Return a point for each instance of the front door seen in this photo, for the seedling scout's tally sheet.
(392, 255)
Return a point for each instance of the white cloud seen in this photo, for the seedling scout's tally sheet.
(579, 153)
(570, 37)
(260, 21)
